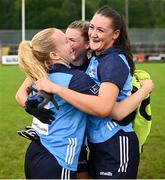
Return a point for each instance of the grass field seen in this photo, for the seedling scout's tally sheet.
(13, 118)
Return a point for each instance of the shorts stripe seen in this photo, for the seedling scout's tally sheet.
(65, 174)
(111, 125)
(71, 148)
(124, 157)
(115, 123)
(126, 165)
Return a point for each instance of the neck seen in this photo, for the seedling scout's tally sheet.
(61, 62)
(102, 50)
(80, 61)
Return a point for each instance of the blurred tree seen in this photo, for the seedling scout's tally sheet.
(16, 15)
(9, 10)
(40, 15)
(72, 10)
(59, 13)
(90, 8)
(116, 4)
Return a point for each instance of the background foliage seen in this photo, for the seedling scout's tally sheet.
(46, 13)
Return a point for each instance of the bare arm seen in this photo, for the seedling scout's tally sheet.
(128, 105)
(22, 94)
(101, 105)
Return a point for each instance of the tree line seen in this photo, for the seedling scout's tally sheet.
(59, 13)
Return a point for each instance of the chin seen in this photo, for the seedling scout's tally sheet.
(73, 57)
(94, 47)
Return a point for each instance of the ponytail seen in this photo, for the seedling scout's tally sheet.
(32, 67)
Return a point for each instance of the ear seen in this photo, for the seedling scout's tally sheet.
(116, 34)
(53, 55)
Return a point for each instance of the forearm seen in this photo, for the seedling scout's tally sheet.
(128, 105)
(22, 94)
(100, 105)
(21, 98)
(93, 105)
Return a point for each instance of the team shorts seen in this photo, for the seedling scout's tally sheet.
(41, 164)
(82, 161)
(116, 158)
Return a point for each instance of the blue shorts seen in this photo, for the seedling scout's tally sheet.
(41, 164)
(116, 158)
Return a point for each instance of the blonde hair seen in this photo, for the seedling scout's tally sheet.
(34, 57)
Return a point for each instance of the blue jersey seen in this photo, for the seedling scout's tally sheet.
(110, 66)
(64, 137)
(83, 68)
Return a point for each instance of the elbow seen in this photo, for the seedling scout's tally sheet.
(104, 112)
(18, 96)
(19, 99)
(119, 117)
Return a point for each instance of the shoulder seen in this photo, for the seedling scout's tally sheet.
(65, 76)
(81, 82)
(73, 79)
(80, 77)
(113, 69)
(113, 61)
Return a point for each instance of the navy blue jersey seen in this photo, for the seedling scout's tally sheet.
(83, 67)
(64, 137)
(110, 66)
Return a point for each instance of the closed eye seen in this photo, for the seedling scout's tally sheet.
(91, 27)
(100, 30)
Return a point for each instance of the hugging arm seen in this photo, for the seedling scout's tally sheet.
(22, 93)
(34, 104)
(128, 105)
(104, 104)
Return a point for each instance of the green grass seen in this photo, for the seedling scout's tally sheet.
(13, 118)
(152, 165)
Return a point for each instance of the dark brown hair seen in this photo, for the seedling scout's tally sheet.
(118, 23)
(81, 25)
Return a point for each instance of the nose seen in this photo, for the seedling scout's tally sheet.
(70, 42)
(93, 33)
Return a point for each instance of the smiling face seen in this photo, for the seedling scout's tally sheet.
(77, 42)
(101, 33)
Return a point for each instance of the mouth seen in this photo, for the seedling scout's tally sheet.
(72, 53)
(94, 40)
